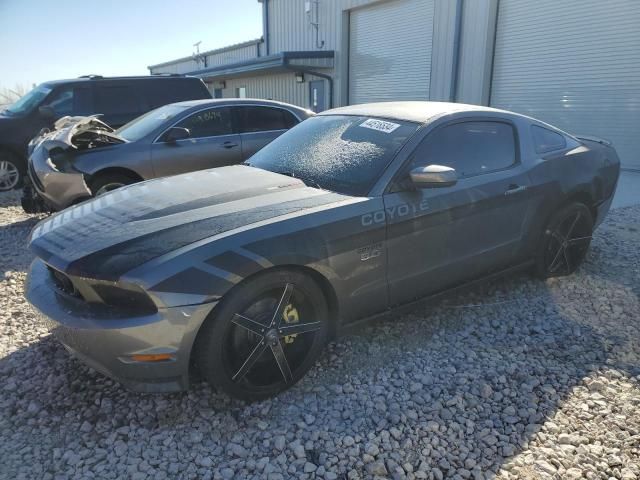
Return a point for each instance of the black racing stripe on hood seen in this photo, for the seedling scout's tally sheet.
(112, 262)
(216, 199)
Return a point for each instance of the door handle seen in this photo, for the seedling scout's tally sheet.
(229, 144)
(514, 188)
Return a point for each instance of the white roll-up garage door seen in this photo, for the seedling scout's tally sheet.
(574, 64)
(390, 51)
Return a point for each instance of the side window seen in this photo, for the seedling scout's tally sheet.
(472, 148)
(71, 101)
(62, 101)
(82, 101)
(264, 119)
(208, 123)
(545, 140)
(116, 99)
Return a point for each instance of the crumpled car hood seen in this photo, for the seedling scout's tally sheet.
(65, 129)
(108, 236)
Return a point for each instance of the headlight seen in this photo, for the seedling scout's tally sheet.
(127, 298)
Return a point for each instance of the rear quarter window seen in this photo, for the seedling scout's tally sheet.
(545, 140)
(264, 119)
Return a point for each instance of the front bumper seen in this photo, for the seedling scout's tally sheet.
(106, 339)
(58, 189)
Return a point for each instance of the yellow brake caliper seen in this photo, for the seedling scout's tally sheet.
(290, 315)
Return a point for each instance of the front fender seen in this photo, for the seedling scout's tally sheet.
(130, 157)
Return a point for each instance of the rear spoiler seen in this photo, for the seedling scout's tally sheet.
(590, 138)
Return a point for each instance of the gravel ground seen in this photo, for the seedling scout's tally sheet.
(515, 379)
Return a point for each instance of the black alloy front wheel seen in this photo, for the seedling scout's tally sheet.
(265, 335)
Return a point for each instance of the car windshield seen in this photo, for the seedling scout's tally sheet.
(145, 124)
(345, 154)
(28, 102)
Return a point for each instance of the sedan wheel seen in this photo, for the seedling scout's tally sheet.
(107, 182)
(9, 175)
(265, 337)
(566, 241)
(109, 187)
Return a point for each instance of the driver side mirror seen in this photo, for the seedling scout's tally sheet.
(47, 112)
(176, 133)
(433, 176)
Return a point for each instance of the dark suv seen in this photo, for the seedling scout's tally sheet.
(118, 99)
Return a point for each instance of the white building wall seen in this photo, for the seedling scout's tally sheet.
(280, 87)
(223, 56)
(232, 55)
(475, 61)
(182, 66)
(290, 29)
(445, 30)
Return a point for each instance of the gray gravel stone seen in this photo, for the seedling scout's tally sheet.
(513, 379)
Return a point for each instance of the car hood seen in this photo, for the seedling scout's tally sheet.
(77, 133)
(108, 236)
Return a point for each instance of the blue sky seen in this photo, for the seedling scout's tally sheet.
(46, 40)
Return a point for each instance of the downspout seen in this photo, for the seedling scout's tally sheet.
(309, 71)
(456, 51)
(265, 25)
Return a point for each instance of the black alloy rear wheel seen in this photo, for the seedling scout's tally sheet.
(264, 336)
(565, 241)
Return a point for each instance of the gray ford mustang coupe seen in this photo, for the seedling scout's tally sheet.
(243, 272)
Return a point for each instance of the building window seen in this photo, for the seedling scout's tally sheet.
(241, 92)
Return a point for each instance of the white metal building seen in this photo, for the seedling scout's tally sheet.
(572, 63)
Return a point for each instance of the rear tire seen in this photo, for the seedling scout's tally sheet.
(244, 349)
(12, 170)
(565, 241)
(104, 183)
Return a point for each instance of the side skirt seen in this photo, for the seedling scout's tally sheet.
(409, 306)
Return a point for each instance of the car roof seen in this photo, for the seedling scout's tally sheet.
(415, 111)
(238, 101)
(98, 78)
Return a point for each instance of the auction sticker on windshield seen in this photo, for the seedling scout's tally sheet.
(379, 125)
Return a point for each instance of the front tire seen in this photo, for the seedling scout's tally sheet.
(264, 336)
(565, 241)
(110, 181)
(11, 171)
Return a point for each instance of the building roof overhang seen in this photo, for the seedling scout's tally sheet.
(279, 62)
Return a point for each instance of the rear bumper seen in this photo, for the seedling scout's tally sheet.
(603, 208)
(105, 339)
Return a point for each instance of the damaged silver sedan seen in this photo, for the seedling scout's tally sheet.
(82, 157)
